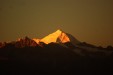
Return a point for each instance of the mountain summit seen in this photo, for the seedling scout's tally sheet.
(59, 37)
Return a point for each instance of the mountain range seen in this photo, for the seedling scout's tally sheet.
(59, 37)
(56, 53)
(56, 37)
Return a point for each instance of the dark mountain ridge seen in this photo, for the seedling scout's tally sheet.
(59, 55)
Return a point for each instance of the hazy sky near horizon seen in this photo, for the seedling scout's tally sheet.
(88, 20)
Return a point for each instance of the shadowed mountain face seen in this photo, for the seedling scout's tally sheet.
(25, 42)
(73, 39)
(57, 53)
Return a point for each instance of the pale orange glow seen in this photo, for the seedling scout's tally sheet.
(55, 37)
(36, 40)
(18, 39)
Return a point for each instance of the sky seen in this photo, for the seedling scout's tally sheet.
(89, 21)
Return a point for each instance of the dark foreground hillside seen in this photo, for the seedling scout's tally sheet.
(51, 59)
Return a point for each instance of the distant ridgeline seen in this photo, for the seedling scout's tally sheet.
(57, 53)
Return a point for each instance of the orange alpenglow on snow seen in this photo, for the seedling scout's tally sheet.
(36, 40)
(58, 36)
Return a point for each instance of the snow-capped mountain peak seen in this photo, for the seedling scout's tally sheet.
(57, 37)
